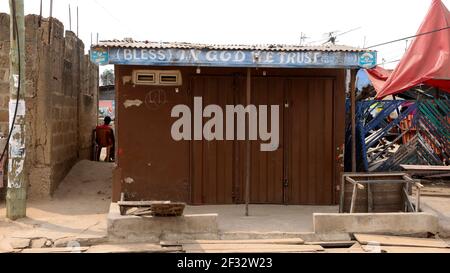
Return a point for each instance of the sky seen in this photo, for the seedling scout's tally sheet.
(244, 21)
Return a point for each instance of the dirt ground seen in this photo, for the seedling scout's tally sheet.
(78, 208)
(437, 189)
(435, 199)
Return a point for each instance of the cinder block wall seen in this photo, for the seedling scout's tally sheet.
(61, 99)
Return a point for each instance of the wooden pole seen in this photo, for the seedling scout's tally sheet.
(248, 146)
(353, 102)
(17, 179)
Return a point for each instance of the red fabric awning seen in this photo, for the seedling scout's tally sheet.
(427, 60)
(378, 76)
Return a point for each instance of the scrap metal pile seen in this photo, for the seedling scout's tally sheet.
(390, 133)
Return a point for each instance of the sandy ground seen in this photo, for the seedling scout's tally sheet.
(81, 203)
(435, 198)
(77, 209)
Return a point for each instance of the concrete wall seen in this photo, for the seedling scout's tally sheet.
(61, 99)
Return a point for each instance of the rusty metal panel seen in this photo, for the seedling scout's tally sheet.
(310, 142)
(153, 165)
(266, 186)
(213, 161)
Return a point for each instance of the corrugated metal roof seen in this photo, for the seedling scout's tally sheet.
(129, 43)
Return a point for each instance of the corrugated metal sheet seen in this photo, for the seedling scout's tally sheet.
(129, 43)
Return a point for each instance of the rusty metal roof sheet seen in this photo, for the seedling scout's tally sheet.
(130, 43)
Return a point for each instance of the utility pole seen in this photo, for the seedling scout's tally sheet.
(16, 196)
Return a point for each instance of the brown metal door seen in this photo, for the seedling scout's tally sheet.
(212, 161)
(154, 166)
(266, 185)
(309, 135)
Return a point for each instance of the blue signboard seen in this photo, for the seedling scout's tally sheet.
(231, 58)
(100, 56)
(368, 59)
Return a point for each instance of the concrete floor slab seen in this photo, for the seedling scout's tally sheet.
(263, 218)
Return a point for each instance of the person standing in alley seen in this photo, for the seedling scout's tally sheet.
(105, 139)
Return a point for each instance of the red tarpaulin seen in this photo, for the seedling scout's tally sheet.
(378, 76)
(427, 60)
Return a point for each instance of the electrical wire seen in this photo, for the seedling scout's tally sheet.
(16, 31)
(406, 38)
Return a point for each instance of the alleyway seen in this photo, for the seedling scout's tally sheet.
(78, 208)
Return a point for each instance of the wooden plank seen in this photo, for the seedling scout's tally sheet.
(399, 249)
(55, 250)
(354, 196)
(132, 248)
(294, 241)
(437, 176)
(344, 250)
(355, 175)
(380, 181)
(250, 248)
(425, 168)
(400, 241)
(370, 201)
(136, 203)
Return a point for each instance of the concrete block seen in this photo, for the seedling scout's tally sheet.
(152, 229)
(20, 243)
(385, 223)
(305, 236)
(39, 243)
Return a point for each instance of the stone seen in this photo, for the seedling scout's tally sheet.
(19, 243)
(84, 242)
(38, 243)
(48, 243)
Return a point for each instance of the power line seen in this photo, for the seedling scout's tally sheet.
(383, 63)
(414, 36)
(112, 16)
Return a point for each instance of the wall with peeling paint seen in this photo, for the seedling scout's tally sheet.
(61, 100)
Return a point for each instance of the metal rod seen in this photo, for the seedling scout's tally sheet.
(353, 117)
(70, 19)
(248, 147)
(40, 14)
(50, 23)
(78, 26)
